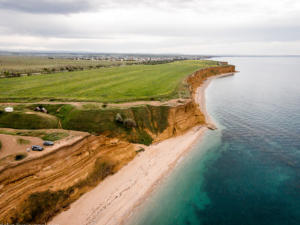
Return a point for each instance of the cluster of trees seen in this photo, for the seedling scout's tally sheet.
(10, 74)
(127, 123)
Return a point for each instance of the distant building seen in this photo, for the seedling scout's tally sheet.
(9, 109)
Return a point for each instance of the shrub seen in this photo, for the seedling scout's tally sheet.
(101, 170)
(15, 74)
(143, 138)
(40, 206)
(55, 136)
(22, 141)
(119, 118)
(140, 150)
(46, 70)
(69, 68)
(6, 73)
(20, 156)
(129, 123)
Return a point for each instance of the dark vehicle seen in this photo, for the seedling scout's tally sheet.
(48, 143)
(37, 148)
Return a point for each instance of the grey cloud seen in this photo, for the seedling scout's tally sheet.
(132, 24)
(54, 28)
(76, 6)
(47, 6)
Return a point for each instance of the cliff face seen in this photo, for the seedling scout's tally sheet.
(185, 116)
(180, 119)
(196, 79)
(36, 190)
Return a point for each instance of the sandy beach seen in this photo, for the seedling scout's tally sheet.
(114, 199)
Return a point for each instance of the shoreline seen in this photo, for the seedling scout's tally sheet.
(114, 199)
(201, 100)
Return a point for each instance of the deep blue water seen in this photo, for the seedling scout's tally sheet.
(248, 171)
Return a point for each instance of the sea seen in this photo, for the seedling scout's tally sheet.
(247, 172)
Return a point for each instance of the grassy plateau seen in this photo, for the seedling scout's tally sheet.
(33, 64)
(116, 84)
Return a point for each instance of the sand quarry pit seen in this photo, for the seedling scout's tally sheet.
(13, 144)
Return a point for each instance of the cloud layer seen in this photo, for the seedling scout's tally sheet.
(165, 26)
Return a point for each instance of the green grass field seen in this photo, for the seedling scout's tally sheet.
(116, 84)
(32, 64)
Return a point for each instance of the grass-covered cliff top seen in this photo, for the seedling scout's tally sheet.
(116, 84)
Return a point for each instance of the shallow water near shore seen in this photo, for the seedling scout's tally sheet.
(248, 171)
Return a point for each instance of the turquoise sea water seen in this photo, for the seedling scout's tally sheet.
(248, 171)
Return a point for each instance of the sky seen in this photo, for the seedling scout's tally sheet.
(156, 26)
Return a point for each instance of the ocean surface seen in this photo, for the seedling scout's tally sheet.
(248, 171)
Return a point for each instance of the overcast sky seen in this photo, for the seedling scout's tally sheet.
(156, 26)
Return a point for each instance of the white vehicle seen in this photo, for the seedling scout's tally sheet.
(9, 109)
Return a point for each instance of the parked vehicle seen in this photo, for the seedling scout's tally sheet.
(40, 109)
(37, 148)
(48, 143)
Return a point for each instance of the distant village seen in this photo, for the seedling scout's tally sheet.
(27, 67)
(136, 58)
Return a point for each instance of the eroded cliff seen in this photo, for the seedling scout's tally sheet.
(36, 190)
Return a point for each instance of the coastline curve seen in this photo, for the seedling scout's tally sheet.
(114, 199)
